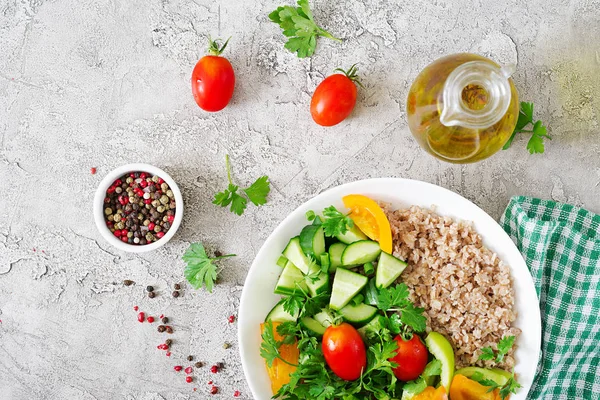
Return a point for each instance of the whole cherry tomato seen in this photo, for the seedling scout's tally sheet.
(335, 97)
(344, 351)
(411, 358)
(213, 79)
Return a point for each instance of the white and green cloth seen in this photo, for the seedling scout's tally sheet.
(561, 245)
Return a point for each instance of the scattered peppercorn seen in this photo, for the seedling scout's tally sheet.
(151, 295)
(177, 286)
(176, 294)
(169, 329)
(128, 282)
(161, 328)
(236, 393)
(93, 170)
(220, 365)
(165, 320)
(149, 288)
(178, 368)
(189, 379)
(226, 345)
(214, 390)
(150, 319)
(198, 364)
(190, 358)
(188, 370)
(214, 369)
(231, 319)
(141, 317)
(168, 342)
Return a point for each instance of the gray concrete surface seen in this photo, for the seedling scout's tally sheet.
(102, 83)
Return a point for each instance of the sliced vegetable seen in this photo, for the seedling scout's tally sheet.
(346, 285)
(361, 252)
(352, 235)
(464, 388)
(280, 371)
(371, 219)
(282, 261)
(312, 241)
(442, 350)
(431, 393)
(335, 256)
(294, 253)
(278, 314)
(290, 280)
(325, 317)
(313, 326)
(497, 375)
(389, 269)
(317, 281)
(358, 315)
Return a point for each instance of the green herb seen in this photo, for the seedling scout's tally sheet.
(269, 348)
(334, 222)
(415, 387)
(257, 193)
(303, 304)
(433, 368)
(396, 298)
(538, 131)
(504, 346)
(300, 28)
(200, 269)
(511, 386)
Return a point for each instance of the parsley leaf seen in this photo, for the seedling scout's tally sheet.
(433, 368)
(510, 387)
(538, 131)
(504, 346)
(396, 298)
(269, 348)
(200, 269)
(257, 193)
(478, 377)
(415, 387)
(487, 353)
(390, 298)
(335, 222)
(299, 26)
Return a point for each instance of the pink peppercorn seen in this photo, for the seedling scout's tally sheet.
(141, 317)
(214, 390)
(159, 234)
(231, 319)
(151, 319)
(171, 218)
(178, 368)
(214, 369)
(151, 226)
(189, 379)
(188, 370)
(236, 393)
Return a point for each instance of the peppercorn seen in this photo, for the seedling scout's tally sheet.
(226, 345)
(161, 328)
(198, 364)
(176, 294)
(190, 358)
(220, 365)
(165, 320)
(149, 288)
(128, 282)
(177, 286)
(168, 342)
(169, 329)
(151, 295)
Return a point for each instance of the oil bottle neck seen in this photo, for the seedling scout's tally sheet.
(476, 95)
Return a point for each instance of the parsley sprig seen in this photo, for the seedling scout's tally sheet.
(257, 193)
(300, 28)
(333, 221)
(303, 304)
(433, 368)
(504, 346)
(201, 269)
(511, 386)
(538, 131)
(397, 299)
(269, 348)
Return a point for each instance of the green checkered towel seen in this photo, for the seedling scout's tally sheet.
(561, 245)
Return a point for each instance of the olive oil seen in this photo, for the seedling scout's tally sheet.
(463, 108)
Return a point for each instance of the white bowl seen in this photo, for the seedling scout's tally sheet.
(258, 298)
(99, 207)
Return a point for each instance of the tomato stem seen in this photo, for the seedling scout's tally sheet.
(352, 74)
(213, 46)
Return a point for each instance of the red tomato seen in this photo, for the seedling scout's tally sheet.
(411, 358)
(213, 80)
(344, 351)
(334, 98)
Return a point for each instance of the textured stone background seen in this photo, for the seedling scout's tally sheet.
(102, 83)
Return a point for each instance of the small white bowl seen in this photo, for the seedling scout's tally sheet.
(99, 207)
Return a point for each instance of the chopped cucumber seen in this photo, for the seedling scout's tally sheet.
(317, 281)
(294, 253)
(373, 327)
(389, 269)
(352, 235)
(497, 375)
(282, 261)
(371, 293)
(346, 285)
(278, 314)
(312, 241)
(360, 252)
(325, 317)
(313, 326)
(325, 262)
(291, 280)
(335, 256)
(358, 315)
(441, 349)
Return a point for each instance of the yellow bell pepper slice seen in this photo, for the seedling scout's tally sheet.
(431, 393)
(464, 388)
(370, 219)
(280, 372)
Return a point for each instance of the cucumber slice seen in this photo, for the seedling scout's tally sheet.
(291, 280)
(313, 326)
(335, 256)
(312, 241)
(352, 235)
(325, 262)
(278, 314)
(441, 349)
(325, 318)
(373, 327)
(371, 293)
(497, 375)
(360, 252)
(346, 285)
(318, 285)
(293, 252)
(389, 269)
(358, 315)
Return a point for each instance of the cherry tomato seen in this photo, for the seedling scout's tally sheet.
(344, 351)
(334, 98)
(213, 79)
(411, 358)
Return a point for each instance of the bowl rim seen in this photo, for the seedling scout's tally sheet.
(99, 206)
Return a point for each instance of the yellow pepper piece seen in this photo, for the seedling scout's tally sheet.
(463, 388)
(431, 393)
(280, 372)
(370, 219)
